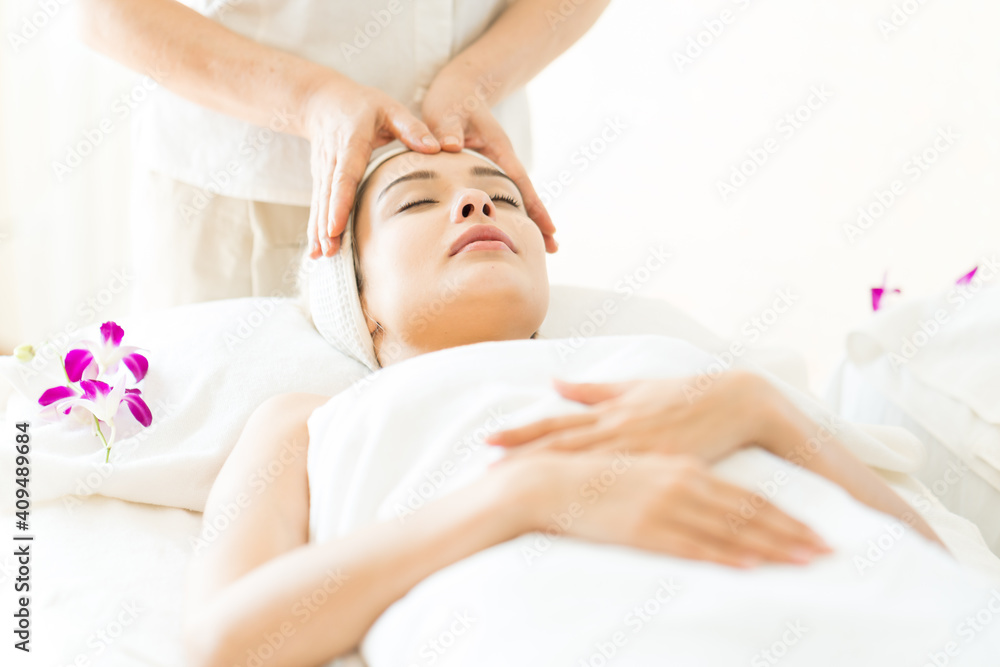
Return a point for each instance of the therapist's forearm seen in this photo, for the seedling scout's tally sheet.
(521, 43)
(202, 61)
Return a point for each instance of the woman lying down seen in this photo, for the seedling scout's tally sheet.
(457, 507)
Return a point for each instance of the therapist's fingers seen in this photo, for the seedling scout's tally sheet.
(498, 148)
(327, 165)
(312, 227)
(352, 159)
(449, 130)
(411, 130)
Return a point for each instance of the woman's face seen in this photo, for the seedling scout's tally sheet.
(448, 256)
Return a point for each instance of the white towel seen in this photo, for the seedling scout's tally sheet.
(413, 432)
(938, 359)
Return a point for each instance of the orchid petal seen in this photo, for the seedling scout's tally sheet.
(112, 333)
(76, 363)
(876, 297)
(93, 388)
(137, 364)
(967, 278)
(138, 407)
(50, 396)
(878, 293)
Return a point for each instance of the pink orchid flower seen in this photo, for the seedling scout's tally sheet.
(97, 403)
(88, 401)
(878, 293)
(95, 359)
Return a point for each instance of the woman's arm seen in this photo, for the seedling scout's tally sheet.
(797, 438)
(260, 581)
(257, 583)
(686, 416)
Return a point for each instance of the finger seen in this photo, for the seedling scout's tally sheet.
(498, 148)
(411, 130)
(327, 168)
(551, 245)
(592, 392)
(527, 433)
(681, 541)
(761, 518)
(311, 228)
(778, 522)
(449, 131)
(717, 519)
(352, 159)
(587, 436)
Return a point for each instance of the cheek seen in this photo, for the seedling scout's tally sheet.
(401, 270)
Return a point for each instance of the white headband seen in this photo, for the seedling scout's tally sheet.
(334, 302)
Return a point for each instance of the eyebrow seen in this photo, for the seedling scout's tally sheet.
(425, 175)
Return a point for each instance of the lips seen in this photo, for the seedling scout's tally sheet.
(481, 232)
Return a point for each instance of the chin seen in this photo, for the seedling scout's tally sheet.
(502, 280)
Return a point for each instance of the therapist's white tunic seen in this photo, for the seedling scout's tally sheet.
(395, 45)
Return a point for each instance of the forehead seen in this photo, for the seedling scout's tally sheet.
(444, 163)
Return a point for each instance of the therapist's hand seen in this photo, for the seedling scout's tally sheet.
(344, 122)
(669, 416)
(459, 115)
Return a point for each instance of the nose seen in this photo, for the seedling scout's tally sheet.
(470, 203)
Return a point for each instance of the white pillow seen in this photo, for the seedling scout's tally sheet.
(211, 364)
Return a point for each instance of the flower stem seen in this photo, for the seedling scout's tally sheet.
(107, 447)
(65, 372)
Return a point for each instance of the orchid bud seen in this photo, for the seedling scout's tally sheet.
(24, 352)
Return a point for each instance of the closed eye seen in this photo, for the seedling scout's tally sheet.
(506, 198)
(415, 203)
